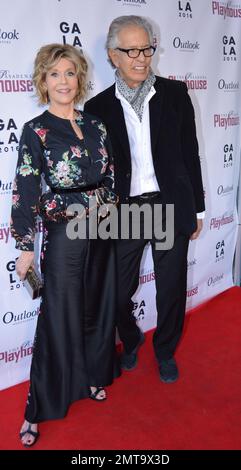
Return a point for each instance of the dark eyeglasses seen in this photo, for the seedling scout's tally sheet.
(134, 53)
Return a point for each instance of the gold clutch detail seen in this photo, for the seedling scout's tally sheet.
(33, 283)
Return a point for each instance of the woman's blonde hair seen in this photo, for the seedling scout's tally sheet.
(47, 57)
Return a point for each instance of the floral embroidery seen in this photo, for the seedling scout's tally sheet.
(103, 160)
(40, 131)
(26, 242)
(15, 199)
(100, 126)
(104, 167)
(79, 119)
(66, 173)
(47, 154)
(44, 246)
(52, 207)
(50, 148)
(78, 152)
(103, 152)
(25, 168)
(111, 169)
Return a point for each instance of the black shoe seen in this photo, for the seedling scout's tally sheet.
(96, 394)
(129, 361)
(168, 370)
(35, 434)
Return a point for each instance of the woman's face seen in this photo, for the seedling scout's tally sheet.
(62, 83)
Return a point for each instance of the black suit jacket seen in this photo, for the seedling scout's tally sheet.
(174, 147)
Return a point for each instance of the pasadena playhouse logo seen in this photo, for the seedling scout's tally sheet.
(192, 291)
(226, 9)
(185, 45)
(147, 277)
(226, 120)
(6, 36)
(193, 82)
(5, 233)
(15, 82)
(17, 354)
(218, 222)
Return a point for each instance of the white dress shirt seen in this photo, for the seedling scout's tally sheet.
(143, 178)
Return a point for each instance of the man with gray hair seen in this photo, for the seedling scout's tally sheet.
(151, 124)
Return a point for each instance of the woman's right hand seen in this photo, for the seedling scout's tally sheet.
(25, 260)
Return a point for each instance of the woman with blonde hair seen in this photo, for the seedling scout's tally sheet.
(74, 345)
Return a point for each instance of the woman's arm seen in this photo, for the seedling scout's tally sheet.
(25, 198)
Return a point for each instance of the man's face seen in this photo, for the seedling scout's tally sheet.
(133, 71)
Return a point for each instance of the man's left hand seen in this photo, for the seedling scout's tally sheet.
(195, 235)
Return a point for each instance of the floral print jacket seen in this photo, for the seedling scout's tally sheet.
(50, 148)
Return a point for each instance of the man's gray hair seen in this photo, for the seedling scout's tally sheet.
(121, 22)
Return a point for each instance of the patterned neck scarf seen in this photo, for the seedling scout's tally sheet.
(135, 96)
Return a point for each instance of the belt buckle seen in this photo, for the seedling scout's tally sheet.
(145, 196)
(149, 195)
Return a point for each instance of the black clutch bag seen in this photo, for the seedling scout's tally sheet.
(33, 283)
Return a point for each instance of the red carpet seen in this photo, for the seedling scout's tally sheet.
(200, 411)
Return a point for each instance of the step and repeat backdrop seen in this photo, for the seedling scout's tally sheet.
(197, 42)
